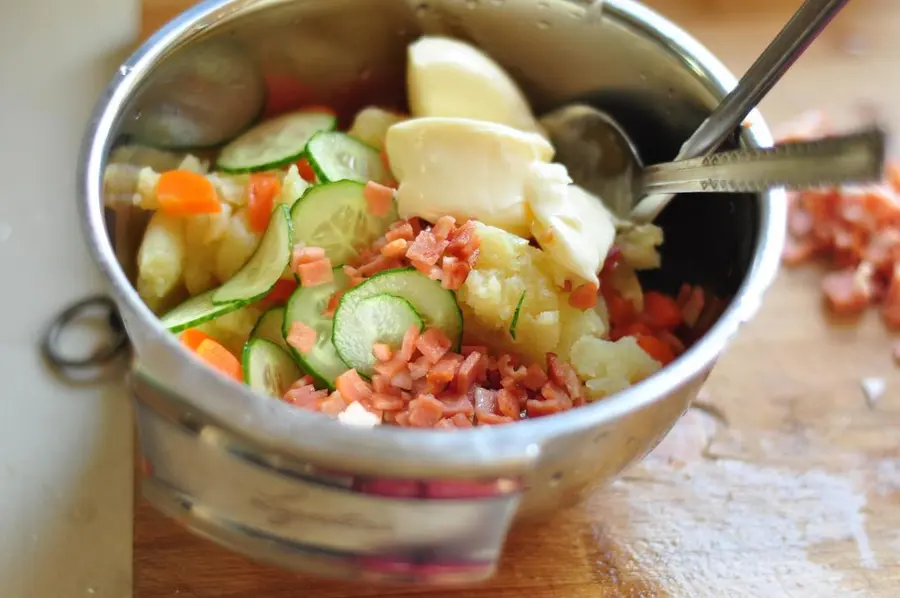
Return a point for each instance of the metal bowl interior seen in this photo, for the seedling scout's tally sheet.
(651, 76)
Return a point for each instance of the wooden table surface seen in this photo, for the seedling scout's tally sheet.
(788, 486)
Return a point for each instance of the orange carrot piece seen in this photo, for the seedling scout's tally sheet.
(263, 189)
(584, 297)
(221, 359)
(183, 193)
(656, 349)
(315, 273)
(192, 338)
(379, 198)
(661, 312)
(301, 337)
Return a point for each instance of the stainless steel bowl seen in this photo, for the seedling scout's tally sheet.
(297, 489)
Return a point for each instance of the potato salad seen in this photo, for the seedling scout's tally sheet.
(434, 268)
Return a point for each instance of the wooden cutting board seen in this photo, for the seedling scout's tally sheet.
(784, 481)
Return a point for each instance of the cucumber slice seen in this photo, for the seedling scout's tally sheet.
(265, 266)
(196, 311)
(377, 319)
(306, 305)
(336, 217)
(515, 320)
(270, 327)
(435, 305)
(273, 143)
(337, 157)
(268, 369)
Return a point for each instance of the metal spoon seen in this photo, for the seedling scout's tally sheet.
(602, 159)
(854, 158)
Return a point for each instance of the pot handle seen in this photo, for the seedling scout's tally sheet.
(115, 345)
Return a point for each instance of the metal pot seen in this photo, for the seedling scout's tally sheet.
(295, 488)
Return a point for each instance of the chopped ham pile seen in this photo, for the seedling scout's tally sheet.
(445, 252)
(856, 230)
(426, 385)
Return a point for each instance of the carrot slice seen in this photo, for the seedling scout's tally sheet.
(656, 349)
(220, 358)
(183, 193)
(263, 189)
(661, 312)
(192, 338)
(379, 198)
(584, 297)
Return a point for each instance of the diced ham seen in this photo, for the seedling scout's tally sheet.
(312, 274)
(379, 264)
(379, 198)
(391, 368)
(844, 294)
(469, 349)
(386, 402)
(453, 273)
(535, 377)
(410, 340)
(433, 344)
(508, 404)
(426, 249)
(402, 232)
(395, 249)
(444, 371)
(562, 375)
(461, 420)
(419, 368)
(333, 405)
(305, 255)
(459, 404)
(352, 387)
(890, 310)
(382, 352)
(301, 337)
(492, 419)
(443, 227)
(470, 372)
(425, 411)
(402, 380)
(537, 408)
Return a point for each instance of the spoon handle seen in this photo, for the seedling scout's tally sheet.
(806, 24)
(854, 158)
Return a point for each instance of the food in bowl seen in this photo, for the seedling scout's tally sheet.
(435, 269)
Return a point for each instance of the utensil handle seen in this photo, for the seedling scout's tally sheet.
(857, 157)
(806, 24)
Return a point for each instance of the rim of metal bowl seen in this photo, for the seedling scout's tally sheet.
(285, 430)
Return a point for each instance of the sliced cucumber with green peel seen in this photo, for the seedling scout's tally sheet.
(336, 217)
(515, 321)
(377, 319)
(337, 156)
(273, 143)
(196, 311)
(269, 369)
(265, 266)
(307, 306)
(271, 327)
(435, 305)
